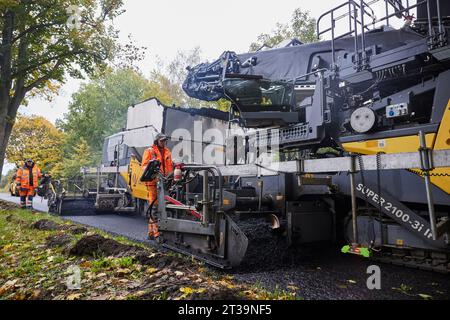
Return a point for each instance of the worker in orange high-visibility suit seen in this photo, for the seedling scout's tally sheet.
(27, 179)
(158, 151)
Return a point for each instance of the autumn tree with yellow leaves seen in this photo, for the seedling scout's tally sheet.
(37, 138)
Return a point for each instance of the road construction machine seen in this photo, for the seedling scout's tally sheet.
(345, 140)
(357, 129)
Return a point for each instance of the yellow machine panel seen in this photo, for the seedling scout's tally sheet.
(132, 177)
(389, 145)
(440, 176)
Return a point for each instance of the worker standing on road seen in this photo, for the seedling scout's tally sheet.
(27, 181)
(159, 151)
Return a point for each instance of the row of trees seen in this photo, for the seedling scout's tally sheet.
(99, 107)
(97, 110)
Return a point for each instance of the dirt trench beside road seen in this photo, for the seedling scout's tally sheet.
(44, 257)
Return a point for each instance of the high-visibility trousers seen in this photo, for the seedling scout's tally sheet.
(26, 195)
(152, 223)
(152, 195)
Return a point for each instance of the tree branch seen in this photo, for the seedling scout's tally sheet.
(34, 28)
(48, 60)
(42, 79)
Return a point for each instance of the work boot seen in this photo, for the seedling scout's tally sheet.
(23, 202)
(154, 238)
(153, 232)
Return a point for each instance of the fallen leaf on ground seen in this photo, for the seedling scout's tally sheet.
(151, 270)
(75, 296)
(19, 296)
(122, 272)
(36, 294)
(8, 286)
(6, 247)
(187, 290)
(140, 293)
(85, 264)
(226, 284)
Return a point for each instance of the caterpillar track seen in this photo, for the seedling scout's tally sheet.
(417, 259)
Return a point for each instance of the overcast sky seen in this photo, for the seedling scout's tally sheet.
(165, 27)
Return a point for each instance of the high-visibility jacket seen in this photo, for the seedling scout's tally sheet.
(27, 179)
(163, 155)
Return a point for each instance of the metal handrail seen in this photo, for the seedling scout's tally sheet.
(331, 12)
(354, 22)
(349, 3)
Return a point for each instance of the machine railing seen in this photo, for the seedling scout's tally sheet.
(359, 13)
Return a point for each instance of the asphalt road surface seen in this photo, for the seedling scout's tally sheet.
(322, 273)
(130, 226)
(39, 204)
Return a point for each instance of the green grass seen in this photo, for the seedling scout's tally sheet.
(125, 262)
(100, 265)
(27, 261)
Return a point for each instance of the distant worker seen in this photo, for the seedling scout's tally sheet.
(27, 179)
(159, 151)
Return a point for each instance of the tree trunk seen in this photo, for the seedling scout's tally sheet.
(2, 143)
(2, 159)
(5, 132)
(8, 113)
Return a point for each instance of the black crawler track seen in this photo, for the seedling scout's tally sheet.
(416, 259)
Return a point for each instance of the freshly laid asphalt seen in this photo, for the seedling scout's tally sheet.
(321, 274)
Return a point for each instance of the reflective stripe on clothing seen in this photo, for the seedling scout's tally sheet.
(25, 179)
(27, 192)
